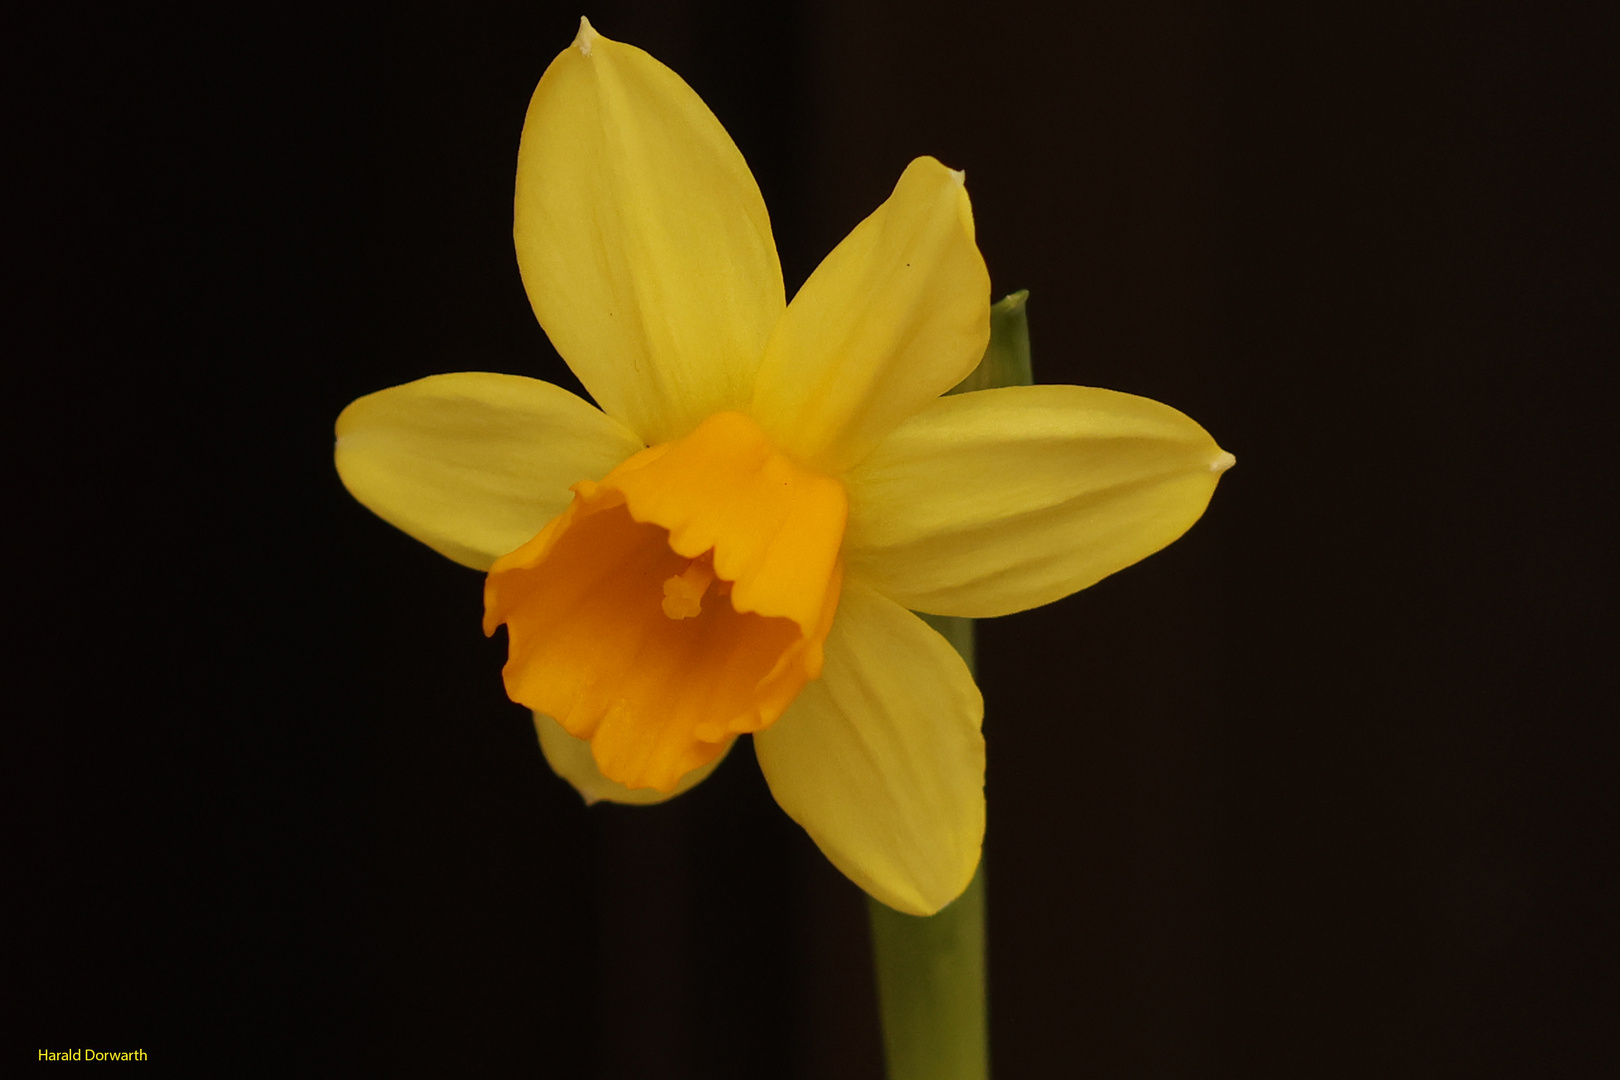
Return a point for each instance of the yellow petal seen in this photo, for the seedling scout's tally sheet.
(571, 759)
(1001, 500)
(643, 240)
(881, 759)
(680, 602)
(473, 464)
(895, 316)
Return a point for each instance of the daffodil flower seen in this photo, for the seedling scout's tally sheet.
(735, 540)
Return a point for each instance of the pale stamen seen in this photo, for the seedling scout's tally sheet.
(683, 593)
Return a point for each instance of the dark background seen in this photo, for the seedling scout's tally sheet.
(1325, 789)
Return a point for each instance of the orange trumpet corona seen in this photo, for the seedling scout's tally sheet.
(677, 603)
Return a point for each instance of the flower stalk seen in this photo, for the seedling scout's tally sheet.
(932, 997)
(931, 987)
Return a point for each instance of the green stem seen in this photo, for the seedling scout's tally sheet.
(930, 971)
(931, 996)
(932, 988)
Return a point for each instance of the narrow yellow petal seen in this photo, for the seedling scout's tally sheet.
(473, 464)
(571, 759)
(643, 239)
(895, 316)
(1001, 500)
(881, 759)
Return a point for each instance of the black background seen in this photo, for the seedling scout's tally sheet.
(1324, 789)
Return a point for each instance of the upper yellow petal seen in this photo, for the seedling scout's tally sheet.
(473, 464)
(881, 760)
(1001, 500)
(895, 316)
(643, 239)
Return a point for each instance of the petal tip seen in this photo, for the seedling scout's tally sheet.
(1222, 463)
(586, 37)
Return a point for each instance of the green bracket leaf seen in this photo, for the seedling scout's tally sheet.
(1006, 358)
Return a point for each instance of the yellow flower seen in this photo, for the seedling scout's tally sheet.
(767, 488)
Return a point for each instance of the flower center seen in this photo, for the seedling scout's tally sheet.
(681, 601)
(683, 593)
